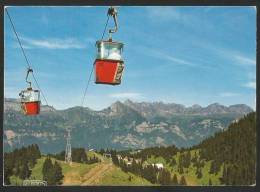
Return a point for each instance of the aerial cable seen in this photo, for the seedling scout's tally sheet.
(105, 27)
(85, 92)
(26, 58)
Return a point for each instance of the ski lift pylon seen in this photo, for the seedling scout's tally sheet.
(30, 99)
(109, 64)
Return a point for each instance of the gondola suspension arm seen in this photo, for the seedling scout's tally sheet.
(26, 79)
(113, 12)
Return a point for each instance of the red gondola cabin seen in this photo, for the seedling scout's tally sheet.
(30, 101)
(109, 64)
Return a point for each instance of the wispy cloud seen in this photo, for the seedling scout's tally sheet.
(53, 43)
(165, 56)
(228, 94)
(244, 60)
(174, 59)
(251, 85)
(235, 56)
(163, 13)
(127, 95)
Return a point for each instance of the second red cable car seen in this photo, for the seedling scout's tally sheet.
(30, 99)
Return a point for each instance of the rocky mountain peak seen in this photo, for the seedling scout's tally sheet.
(240, 108)
(215, 108)
(214, 105)
(195, 106)
(128, 102)
(116, 108)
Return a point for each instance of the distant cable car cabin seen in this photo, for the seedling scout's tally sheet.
(30, 99)
(109, 64)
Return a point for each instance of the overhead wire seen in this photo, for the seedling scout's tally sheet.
(26, 58)
(105, 28)
(85, 92)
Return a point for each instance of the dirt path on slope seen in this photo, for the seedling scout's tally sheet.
(72, 178)
(95, 174)
(92, 177)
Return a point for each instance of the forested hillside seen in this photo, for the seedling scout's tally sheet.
(227, 158)
(235, 149)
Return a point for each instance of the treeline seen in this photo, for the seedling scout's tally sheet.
(149, 172)
(235, 149)
(20, 162)
(144, 154)
(79, 155)
(52, 173)
(107, 151)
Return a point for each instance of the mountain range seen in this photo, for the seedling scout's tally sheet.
(122, 125)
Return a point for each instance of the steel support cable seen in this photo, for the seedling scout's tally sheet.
(85, 92)
(26, 58)
(105, 28)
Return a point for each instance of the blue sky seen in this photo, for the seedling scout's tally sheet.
(186, 55)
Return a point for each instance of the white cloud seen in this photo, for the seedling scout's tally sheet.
(228, 94)
(53, 43)
(126, 95)
(251, 84)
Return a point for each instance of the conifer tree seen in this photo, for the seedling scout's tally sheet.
(47, 165)
(16, 169)
(174, 180)
(199, 173)
(160, 178)
(115, 159)
(25, 171)
(212, 167)
(183, 181)
(58, 173)
(173, 162)
(210, 182)
(164, 177)
(181, 171)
